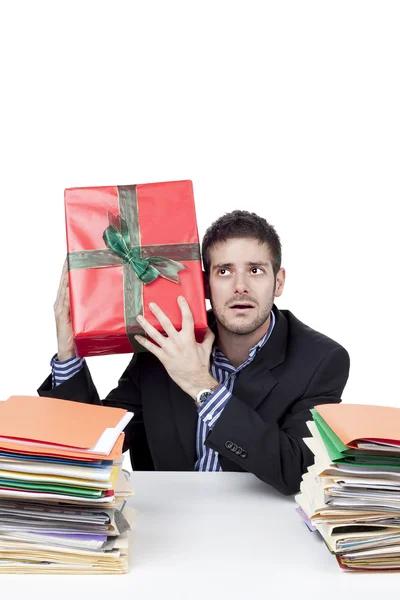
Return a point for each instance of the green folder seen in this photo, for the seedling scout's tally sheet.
(339, 452)
(50, 487)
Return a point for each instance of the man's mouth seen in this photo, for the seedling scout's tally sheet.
(243, 306)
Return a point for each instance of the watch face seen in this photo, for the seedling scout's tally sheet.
(204, 397)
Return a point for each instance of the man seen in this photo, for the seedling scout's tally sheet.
(238, 401)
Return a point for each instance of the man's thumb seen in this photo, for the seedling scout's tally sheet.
(209, 337)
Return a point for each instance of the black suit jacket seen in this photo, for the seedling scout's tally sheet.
(262, 426)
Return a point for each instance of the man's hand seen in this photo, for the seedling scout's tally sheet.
(62, 315)
(186, 361)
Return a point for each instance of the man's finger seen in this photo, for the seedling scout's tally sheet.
(66, 299)
(63, 280)
(151, 331)
(64, 271)
(187, 317)
(209, 338)
(163, 320)
(60, 295)
(156, 350)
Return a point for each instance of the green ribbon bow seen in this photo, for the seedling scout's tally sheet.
(141, 264)
(117, 238)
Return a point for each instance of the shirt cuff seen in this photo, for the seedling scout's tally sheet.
(212, 409)
(65, 369)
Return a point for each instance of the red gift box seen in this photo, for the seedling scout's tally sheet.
(128, 246)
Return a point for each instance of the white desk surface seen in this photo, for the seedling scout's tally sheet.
(213, 535)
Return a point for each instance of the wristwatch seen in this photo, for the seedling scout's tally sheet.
(202, 397)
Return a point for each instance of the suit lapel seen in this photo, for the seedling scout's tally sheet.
(254, 384)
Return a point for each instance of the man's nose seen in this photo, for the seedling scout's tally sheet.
(241, 285)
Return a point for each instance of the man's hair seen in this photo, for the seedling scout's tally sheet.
(242, 224)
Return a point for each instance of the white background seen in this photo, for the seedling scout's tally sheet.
(289, 109)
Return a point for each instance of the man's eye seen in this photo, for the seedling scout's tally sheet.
(256, 270)
(223, 272)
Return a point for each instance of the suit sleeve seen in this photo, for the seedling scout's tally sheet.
(80, 388)
(275, 452)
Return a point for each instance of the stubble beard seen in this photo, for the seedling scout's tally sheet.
(241, 327)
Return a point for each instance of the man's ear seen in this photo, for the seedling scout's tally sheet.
(206, 286)
(280, 282)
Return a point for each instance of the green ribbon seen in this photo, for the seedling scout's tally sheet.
(117, 238)
(141, 264)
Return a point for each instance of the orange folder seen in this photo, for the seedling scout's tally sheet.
(16, 448)
(355, 422)
(54, 421)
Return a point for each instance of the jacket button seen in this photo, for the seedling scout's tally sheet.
(239, 450)
(228, 445)
(234, 448)
(243, 454)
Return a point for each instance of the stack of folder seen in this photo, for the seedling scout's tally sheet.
(351, 495)
(63, 494)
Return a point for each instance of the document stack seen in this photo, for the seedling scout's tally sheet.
(351, 494)
(63, 494)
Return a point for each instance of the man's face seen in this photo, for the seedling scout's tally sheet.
(242, 284)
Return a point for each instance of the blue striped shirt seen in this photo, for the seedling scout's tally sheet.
(221, 369)
(65, 369)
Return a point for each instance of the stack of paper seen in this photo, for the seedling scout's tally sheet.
(351, 494)
(62, 490)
